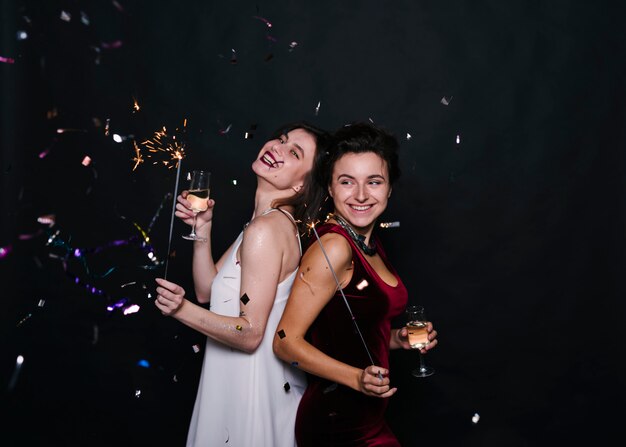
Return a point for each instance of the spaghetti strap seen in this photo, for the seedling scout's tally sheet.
(291, 218)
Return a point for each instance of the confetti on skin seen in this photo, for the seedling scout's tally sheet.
(239, 327)
(244, 299)
(281, 334)
(66, 16)
(362, 285)
(445, 101)
(86, 160)
(475, 418)
(394, 224)
(286, 386)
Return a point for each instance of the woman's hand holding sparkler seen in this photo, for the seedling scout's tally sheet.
(374, 382)
(170, 297)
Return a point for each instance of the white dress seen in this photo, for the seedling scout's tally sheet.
(245, 400)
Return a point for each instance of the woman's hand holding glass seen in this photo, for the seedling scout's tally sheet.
(402, 338)
(185, 213)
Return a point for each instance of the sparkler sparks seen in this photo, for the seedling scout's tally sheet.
(164, 143)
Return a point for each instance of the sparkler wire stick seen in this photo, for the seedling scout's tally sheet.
(169, 242)
(345, 300)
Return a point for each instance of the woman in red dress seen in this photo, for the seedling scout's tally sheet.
(348, 387)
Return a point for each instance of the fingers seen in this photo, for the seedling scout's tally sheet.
(375, 382)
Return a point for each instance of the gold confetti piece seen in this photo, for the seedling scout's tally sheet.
(238, 327)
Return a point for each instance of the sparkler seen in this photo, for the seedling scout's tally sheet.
(345, 300)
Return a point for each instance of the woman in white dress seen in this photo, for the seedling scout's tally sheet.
(247, 396)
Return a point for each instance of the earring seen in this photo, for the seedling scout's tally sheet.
(296, 188)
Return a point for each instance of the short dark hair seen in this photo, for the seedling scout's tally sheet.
(309, 200)
(362, 137)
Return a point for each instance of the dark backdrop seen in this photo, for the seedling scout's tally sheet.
(511, 204)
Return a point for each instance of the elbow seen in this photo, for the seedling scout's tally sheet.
(203, 299)
(279, 346)
(252, 344)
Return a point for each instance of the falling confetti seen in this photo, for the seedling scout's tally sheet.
(7, 60)
(292, 46)
(446, 101)
(395, 224)
(317, 108)
(250, 134)
(408, 137)
(66, 16)
(458, 139)
(86, 160)
(267, 22)
(475, 418)
(233, 57)
(362, 285)
(16, 372)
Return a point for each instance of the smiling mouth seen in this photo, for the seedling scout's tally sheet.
(270, 161)
(360, 207)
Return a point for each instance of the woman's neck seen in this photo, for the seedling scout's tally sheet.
(264, 200)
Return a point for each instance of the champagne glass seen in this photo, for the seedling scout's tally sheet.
(199, 198)
(417, 326)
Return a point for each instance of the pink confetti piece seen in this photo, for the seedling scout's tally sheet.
(112, 45)
(5, 251)
(7, 60)
(362, 285)
(48, 219)
(134, 308)
(86, 161)
(43, 153)
(267, 22)
(117, 6)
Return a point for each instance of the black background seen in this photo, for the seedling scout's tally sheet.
(512, 238)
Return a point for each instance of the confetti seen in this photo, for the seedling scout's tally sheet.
(286, 386)
(48, 219)
(137, 394)
(41, 303)
(117, 6)
(395, 224)
(16, 372)
(4, 251)
(238, 327)
(317, 108)
(445, 101)
(475, 418)
(330, 388)
(234, 182)
(293, 45)
(22, 35)
(281, 334)
(143, 363)
(267, 22)
(86, 160)
(43, 153)
(458, 139)
(134, 308)
(225, 131)
(84, 18)
(66, 16)
(233, 57)
(362, 285)
(112, 45)
(196, 348)
(117, 138)
(7, 60)
(408, 137)
(250, 134)
(244, 299)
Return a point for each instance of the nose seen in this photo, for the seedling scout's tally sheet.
(361, 193)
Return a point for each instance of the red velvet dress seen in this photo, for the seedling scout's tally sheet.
(335, 415)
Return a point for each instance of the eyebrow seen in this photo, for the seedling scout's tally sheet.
(295, 144)
(369, 177)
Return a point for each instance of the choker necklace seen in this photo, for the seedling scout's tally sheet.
(358, 239)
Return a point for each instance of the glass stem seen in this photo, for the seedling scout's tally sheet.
(422, 366)
(193, 227)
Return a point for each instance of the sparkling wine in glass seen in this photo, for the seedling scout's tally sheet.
(198, 196)
(417, 327)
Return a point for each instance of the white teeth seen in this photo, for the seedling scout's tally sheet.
(268, 160)
(360, 208)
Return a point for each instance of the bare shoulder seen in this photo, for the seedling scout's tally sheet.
(268, 229)
(333, 245)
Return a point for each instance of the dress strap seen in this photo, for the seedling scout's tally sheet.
(291, 218)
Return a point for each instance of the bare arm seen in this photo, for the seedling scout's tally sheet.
(261, 264)
(312, 290)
